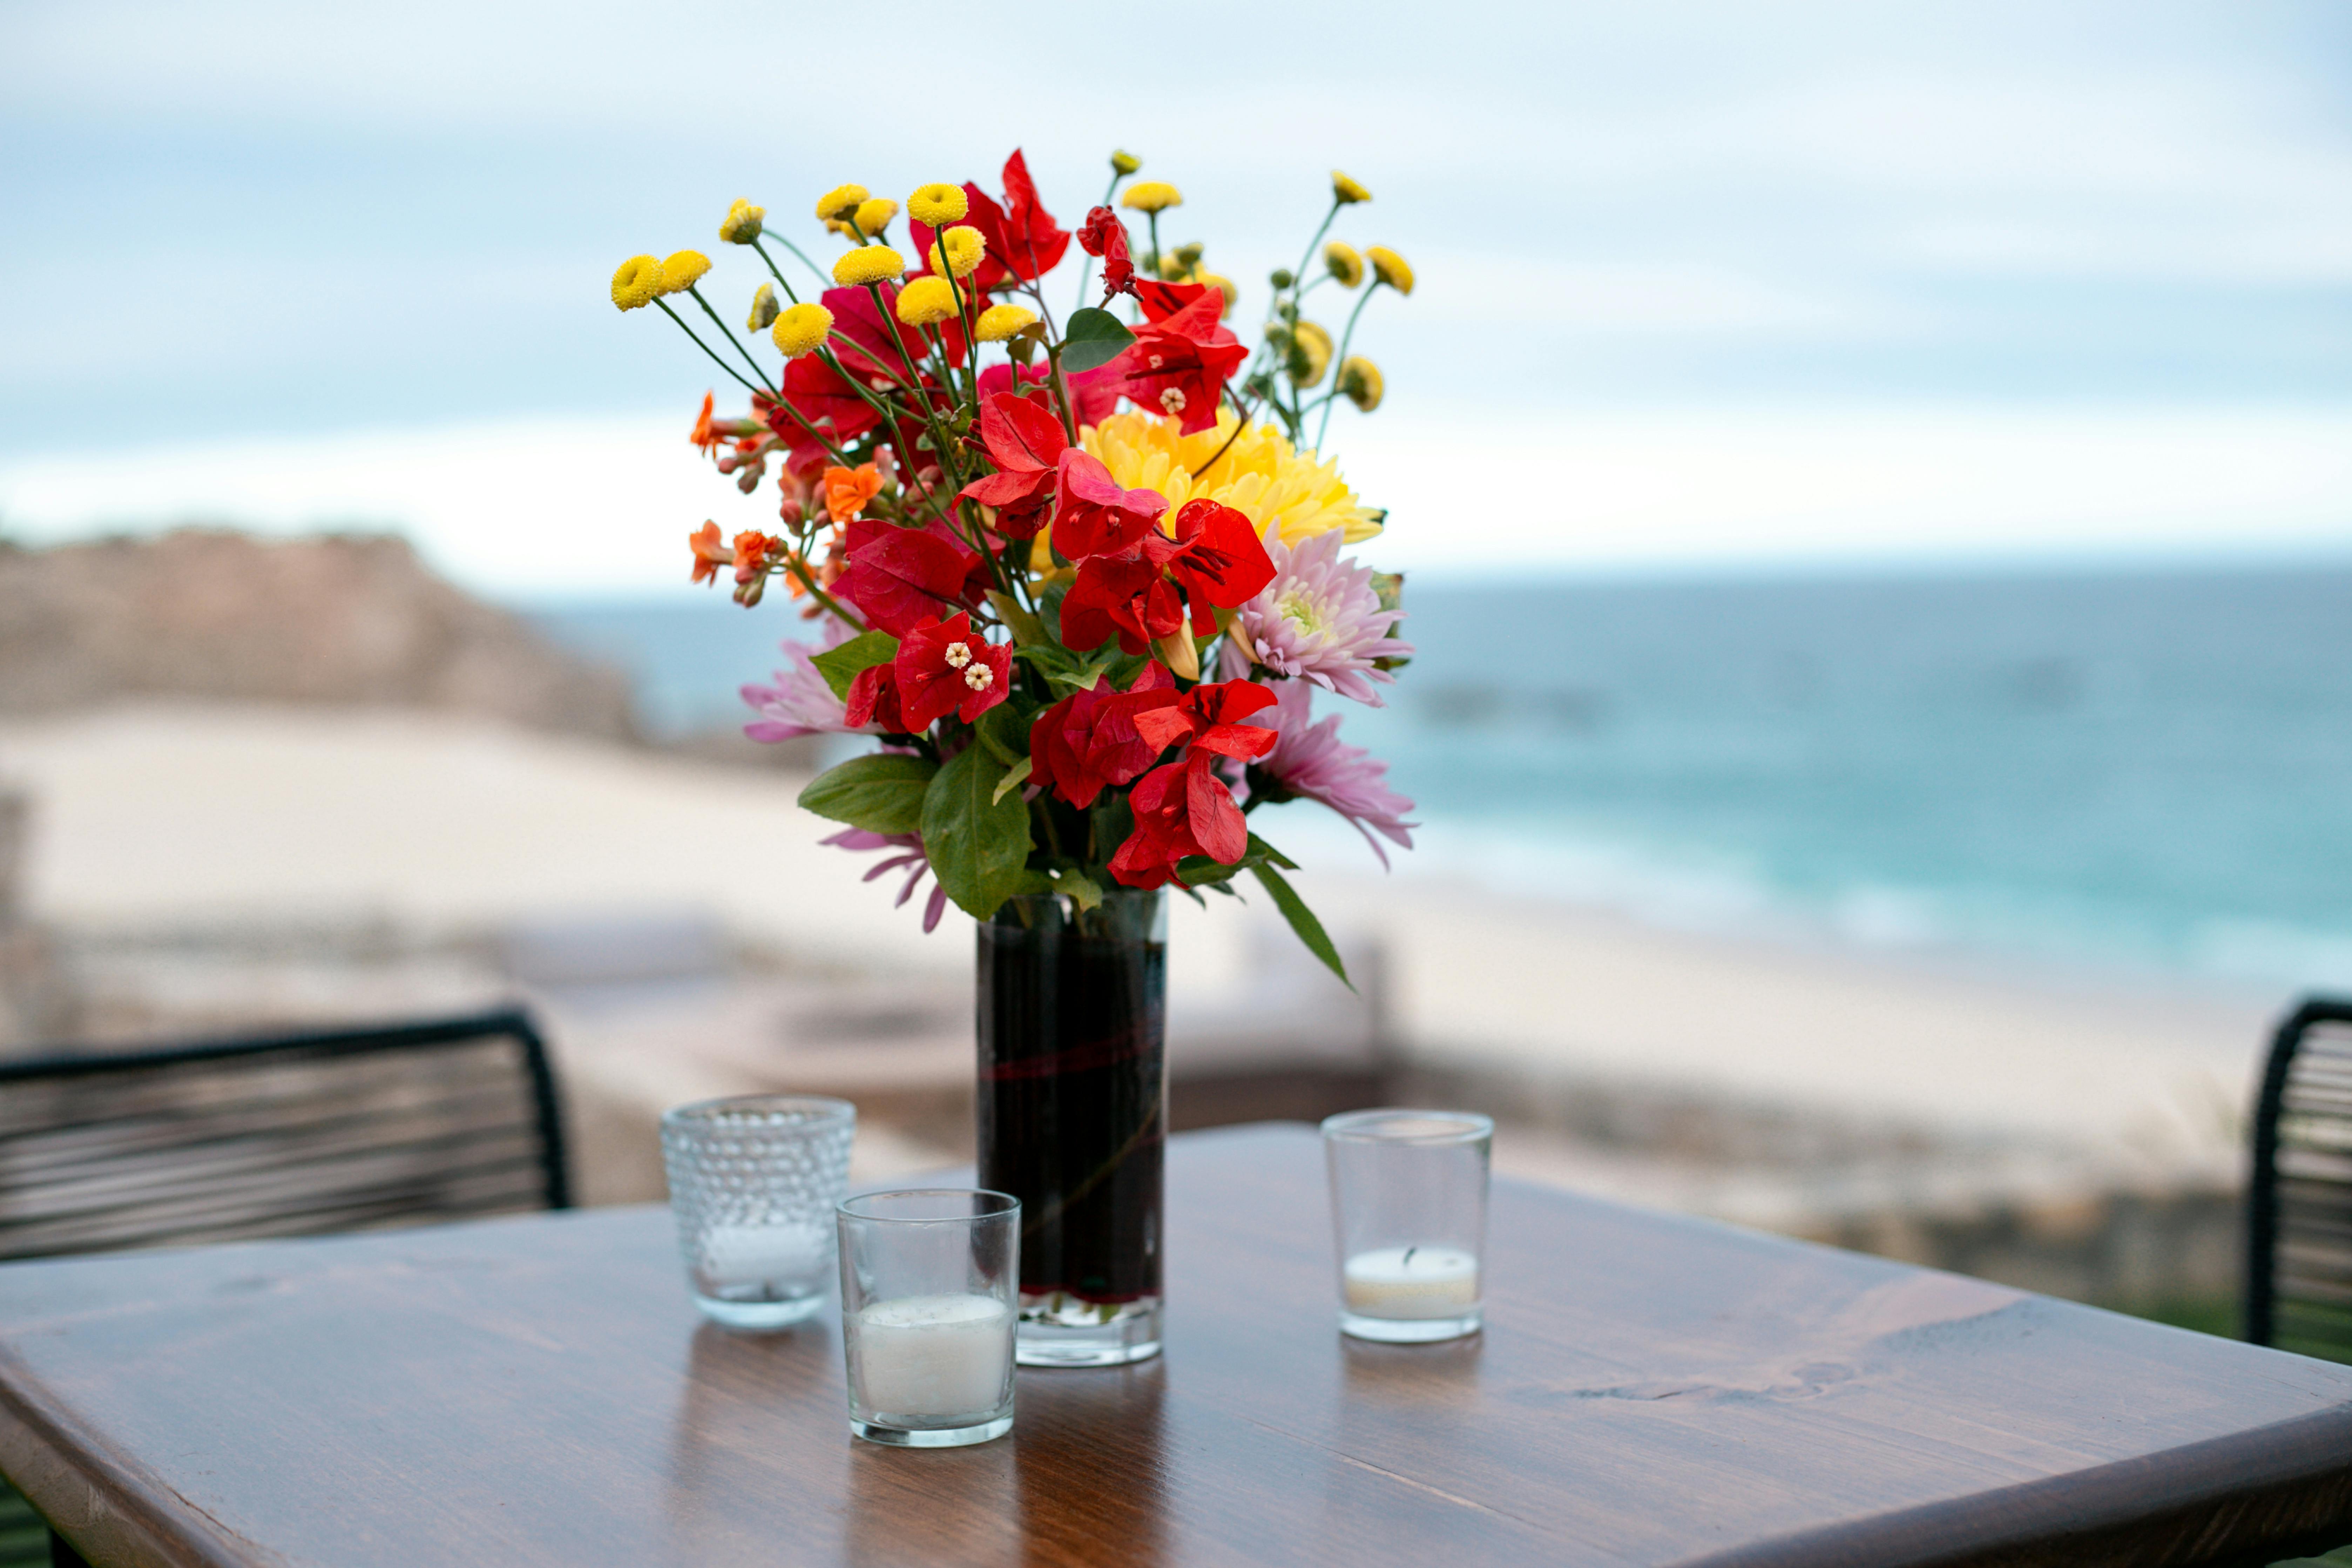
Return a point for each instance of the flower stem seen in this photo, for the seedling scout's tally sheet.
(706, 348)
(731, 340)
(1339, 360)
(823, 276)
(775, 269)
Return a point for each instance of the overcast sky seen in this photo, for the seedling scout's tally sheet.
(1700, 281)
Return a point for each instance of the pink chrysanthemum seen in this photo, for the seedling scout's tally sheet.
(1318, 620)
(801, 703)
(909, 857)
(1310, 761)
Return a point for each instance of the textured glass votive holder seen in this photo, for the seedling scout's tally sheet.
(930, 1289)
(753, 1180)
(1409, 1208)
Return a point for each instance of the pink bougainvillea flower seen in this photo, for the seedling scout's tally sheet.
(1092, 516)
(946, 667)
(1309, 762)
(801, 702)
(1124, 593)
(1179, 366)
(902, 577)
(1212, 718)
(1087, 742)
(1216, 558)
(1319, 619)
(1026, 442)
(910, 857)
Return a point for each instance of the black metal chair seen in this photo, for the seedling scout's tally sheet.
(283, 1135)
(2299, 1198)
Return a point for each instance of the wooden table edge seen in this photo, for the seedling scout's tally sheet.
(65, 1473)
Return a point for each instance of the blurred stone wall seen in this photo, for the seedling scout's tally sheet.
(216, 615)
(37, 999)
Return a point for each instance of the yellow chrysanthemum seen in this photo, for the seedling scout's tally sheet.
(763, 308)
(1125, 163)
(1339, 259)
(867, 264)
(840, 201)
(1306, 352)
(999, 323)
(924, 300)
(681, 270)
(1359, 381)
(938, 205)
(743, 222)
(801, 329)
(1391, 268)
(1152, 196)
(1346, 192)
(636, 283)
(874, 214)
(965, 246)
(1260, 474)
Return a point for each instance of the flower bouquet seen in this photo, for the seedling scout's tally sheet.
(1082, 577)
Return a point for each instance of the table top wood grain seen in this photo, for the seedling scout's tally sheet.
(1649, 1390)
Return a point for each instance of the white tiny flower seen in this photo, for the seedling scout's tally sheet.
(959, 655)
(1171, 399)
(979, 678)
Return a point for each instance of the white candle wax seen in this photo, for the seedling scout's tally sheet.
(1411, 1282)
(738, 1256)
(929, 1357)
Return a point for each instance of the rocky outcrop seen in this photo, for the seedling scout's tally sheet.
(226, 617)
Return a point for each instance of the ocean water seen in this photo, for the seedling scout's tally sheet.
(2146, 772)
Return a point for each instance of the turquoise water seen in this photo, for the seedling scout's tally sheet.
(2147, 770)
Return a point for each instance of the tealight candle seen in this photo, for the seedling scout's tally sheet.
(1411, 1282)
(937, 1359)
(783, 1258)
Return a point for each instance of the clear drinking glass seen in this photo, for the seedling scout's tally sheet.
(753, 1180)
(930, 1292)
(1409, 1205)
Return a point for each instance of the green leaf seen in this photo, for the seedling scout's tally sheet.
(978, 840)
(1262, 853)
(1005, 732)
(1081, 888)
(881, 794)
(1302, 921)
(1093, 337)
(1014, 777)
(1028, 631)
(1200, 871)
(842, 665)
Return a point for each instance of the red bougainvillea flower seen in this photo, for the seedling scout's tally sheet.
(1216, 558)
(1026, 442)
(1126, 593)
(1181, 808)
(901, 577)
(876, 337)
(945, 669)
(874, 699)
(1210, 718)
(1034, 243)
(1179, 366)
(1092, 516)
(1103, 234)
(818, 393)
(709, 554)
(1086, 742)
(846, 490)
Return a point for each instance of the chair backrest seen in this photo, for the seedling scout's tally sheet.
(286, 1135)
(2299, 1198)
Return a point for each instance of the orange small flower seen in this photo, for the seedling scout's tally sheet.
(709, 553)
(703, 436)
(751, 551)
(846, 491)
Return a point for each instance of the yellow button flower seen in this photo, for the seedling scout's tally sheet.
(741, 225)
(1346, 191)
(867, 264)
(681, 270)
(938, 205)
(965, 246)
(924, 300)
(1391, 268)
(801, 329)
(637, 283)
(1340, 258)
(840, 201)
(763, 308)
(874, 214)
(1359, 381)
(1152, 196)
(1309, 353)
(1125, 163)
(999, 323)
(1222, 285)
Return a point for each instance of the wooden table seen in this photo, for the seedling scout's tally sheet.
(1649, 1390)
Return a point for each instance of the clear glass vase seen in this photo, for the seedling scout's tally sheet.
(1073, 1116)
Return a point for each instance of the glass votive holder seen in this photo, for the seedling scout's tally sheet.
(753, 1180)
(1408, 1205)
(930, 1287)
